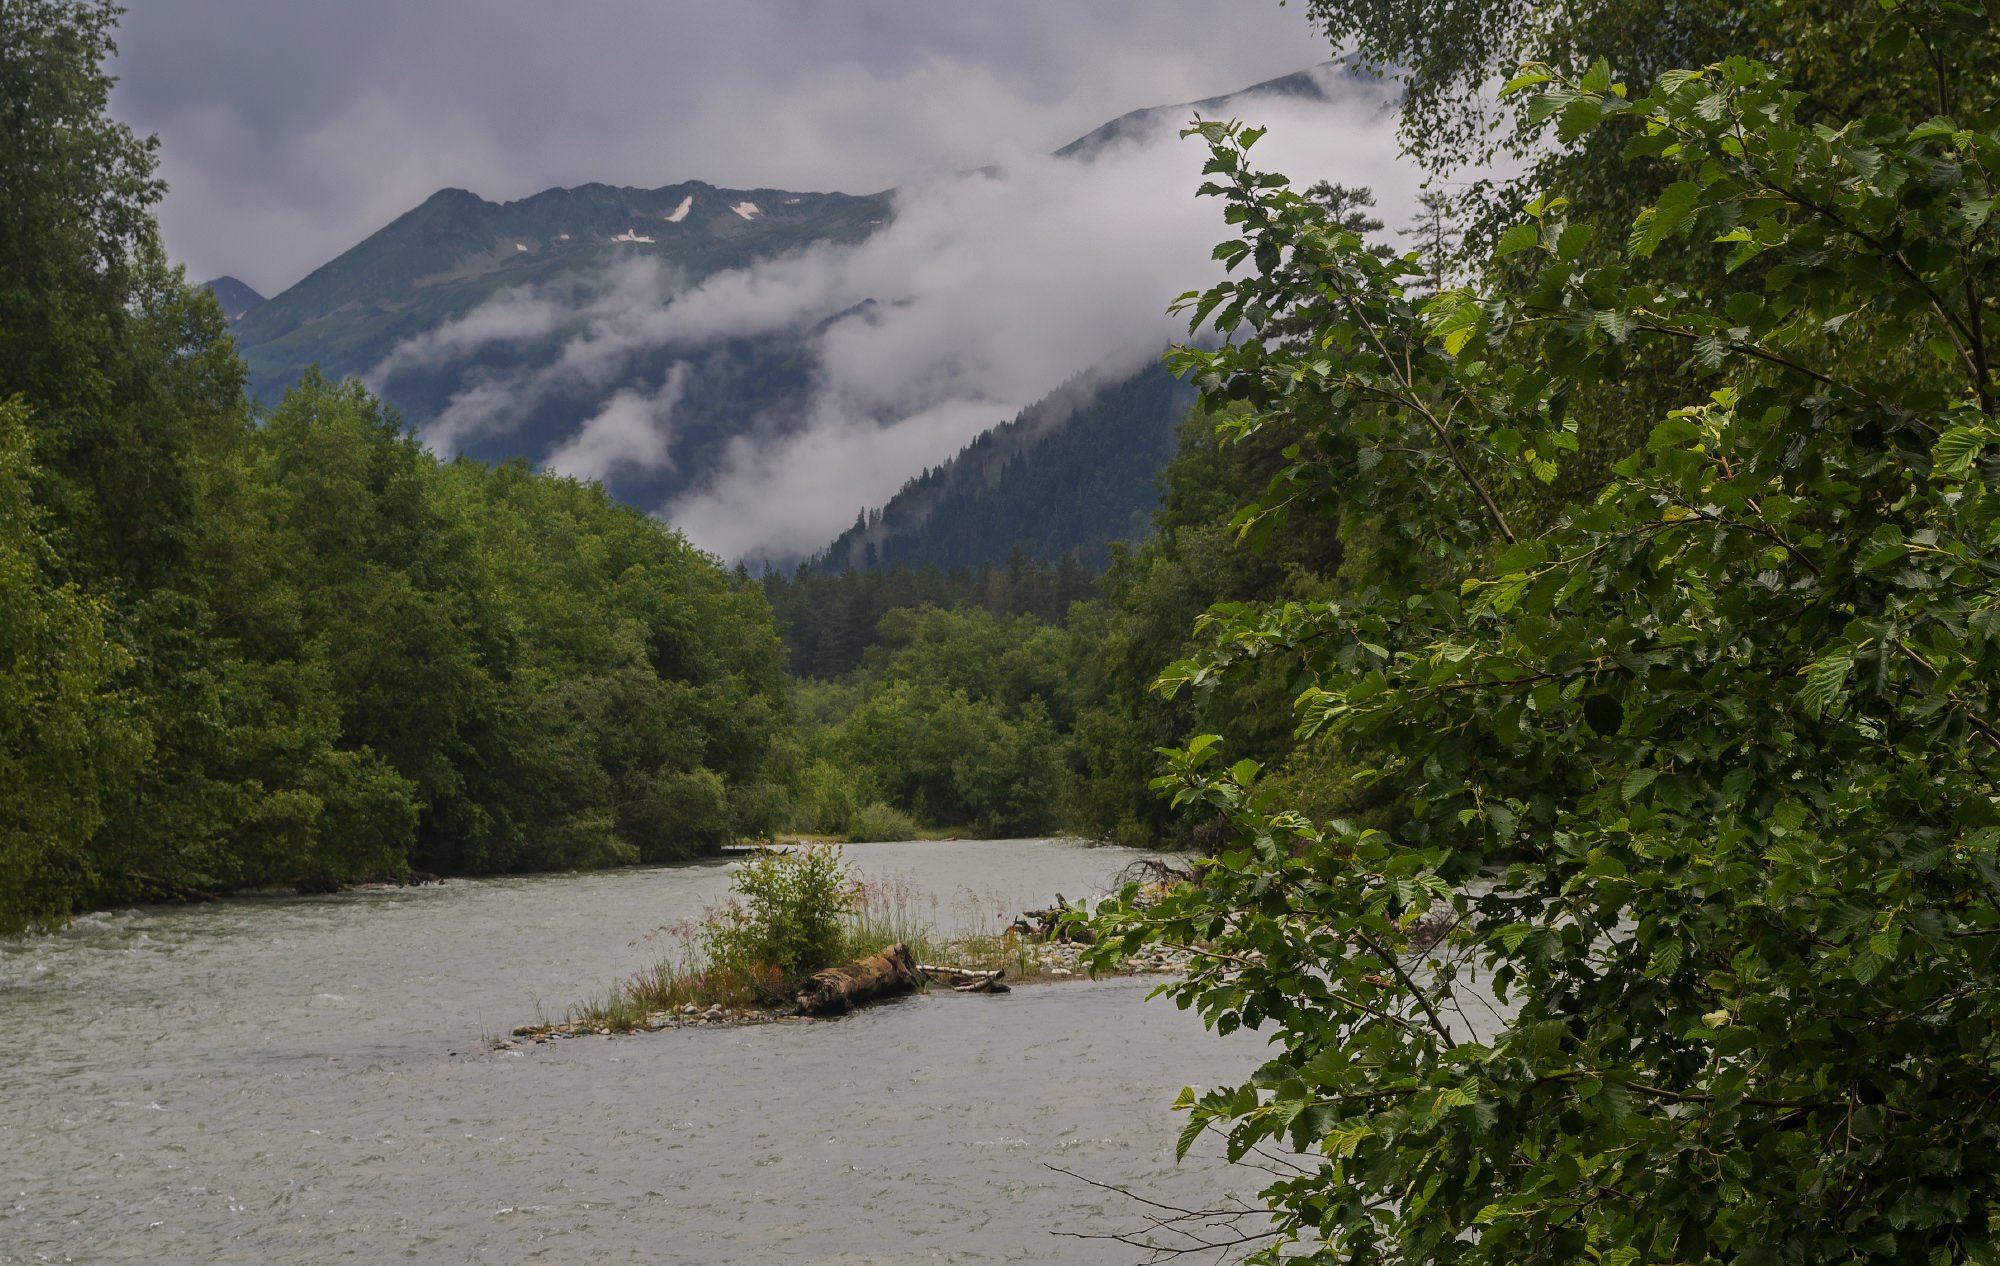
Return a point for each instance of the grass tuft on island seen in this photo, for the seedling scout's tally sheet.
(795, 912)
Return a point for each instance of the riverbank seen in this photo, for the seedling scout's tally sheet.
(796, 911)
(1049, 963)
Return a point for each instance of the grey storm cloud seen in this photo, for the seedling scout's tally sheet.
(290, 131)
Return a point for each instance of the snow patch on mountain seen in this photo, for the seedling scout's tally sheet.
(680, 212)
(748, 210)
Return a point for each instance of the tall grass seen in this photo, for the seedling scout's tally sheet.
(896, 910)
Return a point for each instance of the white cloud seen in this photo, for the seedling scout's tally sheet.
(984, 292)
(991, 290)
(513, 316)
(629, 432)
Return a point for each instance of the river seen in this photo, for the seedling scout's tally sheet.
(311, 1079)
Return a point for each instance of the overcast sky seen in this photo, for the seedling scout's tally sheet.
(290, 131)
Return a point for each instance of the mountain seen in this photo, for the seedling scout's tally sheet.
(1321, 84)
(457, 250)
(667, 341)
(1074, 472)
(235, 297)
(436, 278)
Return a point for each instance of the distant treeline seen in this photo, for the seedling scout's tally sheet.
(829, 619)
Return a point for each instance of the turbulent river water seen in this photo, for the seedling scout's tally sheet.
(312, 1080)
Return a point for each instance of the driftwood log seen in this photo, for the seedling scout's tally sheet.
(1052, 925)
(964, 979)
(838, 990)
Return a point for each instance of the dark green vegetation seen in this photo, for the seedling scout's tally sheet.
(1075, 472)
(1661, 698)
(295, 648)
(831, 620)
(957, 719)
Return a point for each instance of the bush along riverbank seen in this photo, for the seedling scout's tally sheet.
(795, 914)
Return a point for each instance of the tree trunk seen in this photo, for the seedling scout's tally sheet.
(838, 990)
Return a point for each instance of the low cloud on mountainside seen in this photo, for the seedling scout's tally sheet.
(983, 293)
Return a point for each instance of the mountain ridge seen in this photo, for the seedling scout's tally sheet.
(1314, 83)
(466, 315)
(456, 249)
(235, 297)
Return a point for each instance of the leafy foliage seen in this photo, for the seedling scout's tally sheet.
(64, 729)
(958, 720)
(786, 919)
(1680, 946)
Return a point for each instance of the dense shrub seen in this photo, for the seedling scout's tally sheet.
(784, 921)
(878, 822)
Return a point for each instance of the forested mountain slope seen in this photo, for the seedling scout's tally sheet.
(1074, 472)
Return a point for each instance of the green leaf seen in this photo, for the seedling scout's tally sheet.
(1636, 783)
(1959, 447)
(1865, 966)
(1519, 238)
(1189, 1133)
(1573, 240)
(1826, 681)
(1663, 218)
